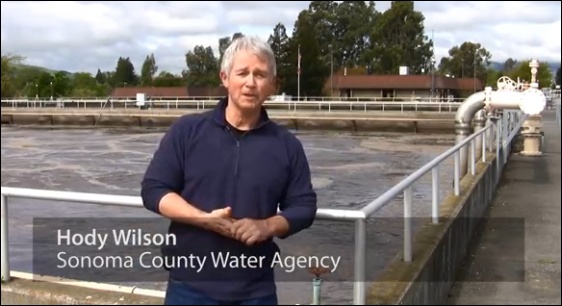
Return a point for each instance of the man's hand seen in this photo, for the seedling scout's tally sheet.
(251, 231)
(219, 221)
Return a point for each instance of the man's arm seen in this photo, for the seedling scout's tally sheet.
(164, 179)
(299, 205)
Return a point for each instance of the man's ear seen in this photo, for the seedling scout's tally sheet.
(224, 79)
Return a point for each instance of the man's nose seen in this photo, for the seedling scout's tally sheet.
(251, 80)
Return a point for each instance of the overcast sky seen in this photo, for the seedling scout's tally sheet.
(87, 35)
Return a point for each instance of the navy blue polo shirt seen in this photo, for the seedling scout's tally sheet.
(211, 167)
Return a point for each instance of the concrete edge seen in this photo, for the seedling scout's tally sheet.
(28, 288)
(395, 281)
(404, 122)
(83, 284)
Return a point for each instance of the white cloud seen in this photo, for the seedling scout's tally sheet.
(87, 35)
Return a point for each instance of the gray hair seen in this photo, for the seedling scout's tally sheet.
(248, 43)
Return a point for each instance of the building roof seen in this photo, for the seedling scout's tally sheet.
(402, 82)
(168, 92)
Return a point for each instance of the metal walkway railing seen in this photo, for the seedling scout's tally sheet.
(497, 134)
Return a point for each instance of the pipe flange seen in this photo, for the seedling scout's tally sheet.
(463, 128)
(487, 97)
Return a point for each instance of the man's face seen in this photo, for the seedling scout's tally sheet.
(250, 81)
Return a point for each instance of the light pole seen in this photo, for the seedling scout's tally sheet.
(432, 76)
(331, 69)
(51, 90)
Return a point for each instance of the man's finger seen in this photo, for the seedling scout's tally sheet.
(239, 228)
(246, 236)
(252, 240)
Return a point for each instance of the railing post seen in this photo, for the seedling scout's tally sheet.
(473, 157)
(498, 148)
(360, 258)
(456, 175)
(435, 194)
(5, 243)
(408, 224)
(484, 145)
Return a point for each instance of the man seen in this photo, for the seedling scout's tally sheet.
(220, 176)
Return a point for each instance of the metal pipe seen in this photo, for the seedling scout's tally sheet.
(316, 286)
(359, 294)
(463, 118)
(134, 201)
(479, 123)
(476, 102)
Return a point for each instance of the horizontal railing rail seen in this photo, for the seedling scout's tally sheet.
(498, 132)
(303, 105)
(284, 98)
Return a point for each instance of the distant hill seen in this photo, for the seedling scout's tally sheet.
(552, 65)
(32, 67)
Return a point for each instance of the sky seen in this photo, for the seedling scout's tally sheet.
(87, 35)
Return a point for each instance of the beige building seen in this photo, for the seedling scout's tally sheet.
(394, 87)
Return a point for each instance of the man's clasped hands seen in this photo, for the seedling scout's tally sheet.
(248, 231)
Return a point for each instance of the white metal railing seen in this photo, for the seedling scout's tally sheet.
(277, 98)
(498, 132)
(302, 105)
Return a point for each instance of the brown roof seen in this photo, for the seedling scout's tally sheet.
(131, 92)
(402, 82)
(207, 91)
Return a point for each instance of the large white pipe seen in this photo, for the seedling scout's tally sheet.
(532, 101)
(479, 123)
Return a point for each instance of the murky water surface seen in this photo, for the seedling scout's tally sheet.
(349, 172)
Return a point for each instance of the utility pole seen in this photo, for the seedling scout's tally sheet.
(299, 74)
(432, 64)
(331, 72)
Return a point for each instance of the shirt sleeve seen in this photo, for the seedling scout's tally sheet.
(299, 204)
(165, 171)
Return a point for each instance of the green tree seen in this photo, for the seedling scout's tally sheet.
(166, 79)
(85, 85)
(313, 70)
(148, 70)
(9, 63)
(62, 85)
(492, 77)
(25, 80)
(124, 74)
(467, 60)
(354, 23)
(202, 67)
(508, 65)
(100, 77)
(280, 44)
(343, 31)
(399, 40)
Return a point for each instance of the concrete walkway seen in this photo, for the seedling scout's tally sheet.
(516, 256)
